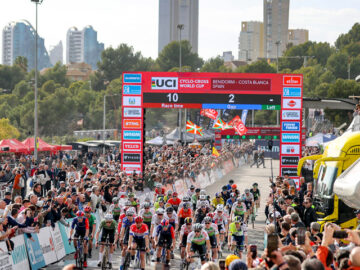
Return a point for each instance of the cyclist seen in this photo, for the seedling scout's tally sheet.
(168, 195)
(256, 194)
(186, 200)
(164, 238)
(125, 230)
(123, 215)
(237, 235)
(175, 201)
(134, 202)
(115, 208)
(108, 229)
(171, 216)
(213, 233)
(249, 202)
(92, 227)
(217, 200)
(159, 191)
(159, 203)
(234, 189)
(230, 202)
(186, 228)
(224, 193)
(146, 213)
(201, 212)
(202, 200)
(81, 226)
(139, 239)
(221, 221)
(238, 209)
(191, 191)
(155, 221)
(184, 212)
(197, 241)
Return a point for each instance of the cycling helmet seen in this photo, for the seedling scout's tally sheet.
(224, 188)
(147, 199)
(158, 185)
(87, 209)
(131, 195)
(169, 192)
(203, 204)
(192, 187)
(247, 190)
(138, 219)
(197, 190)
(80, 214)
(211, 215)
(109, 217)
(115, 200)
(207, 220)
(202, 192)
(169, 210)
(164, 222)
(255, 184)
(238, 219)
(239, 200)
(147, 205)
(175, 194)
(167, 205)
(128, 203)
(217, 195)
(234, 186)
(231, 181)
(202, 197)
(186, 199)
(160, 211)
(188, 220)
(220, 208)
(130, 212)
(160, 199)
(198, 227)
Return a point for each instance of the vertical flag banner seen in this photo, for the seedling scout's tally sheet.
(243, 116)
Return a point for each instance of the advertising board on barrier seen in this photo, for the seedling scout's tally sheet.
(5, 262)
(64, 231)
(290, 115)
(18, 255)
(35, 253)
(132, 112)
(47, 245)
(132, 89)
(132, 78)
(58, 242)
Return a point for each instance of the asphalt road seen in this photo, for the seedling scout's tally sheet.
(244, 177)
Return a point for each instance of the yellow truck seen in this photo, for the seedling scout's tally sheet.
(338, 155)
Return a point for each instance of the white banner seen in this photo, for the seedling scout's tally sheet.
(19, 255)
(47, 245)
(59, 245)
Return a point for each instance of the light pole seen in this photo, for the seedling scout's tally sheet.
(180, 27)
(104, 119)
(277, 43)
(37, 2)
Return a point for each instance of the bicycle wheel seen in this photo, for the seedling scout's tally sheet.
(127, 260)
(104, 259)
(137, 260)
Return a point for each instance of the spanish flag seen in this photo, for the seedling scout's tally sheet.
(215, 152)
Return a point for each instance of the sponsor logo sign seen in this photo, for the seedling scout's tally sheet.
(132, 146)
(291, 92)
(290, 171)
(131, 157)
(290, 126)
(132, 89)
(290, 149)
(133, 112)
(132, 123)
(290, 137)
(289, 160)
(164, 83)
(292, 80)
(291, 103)
(130, 168)
(290, 115)
(131, 101)
(132, 135)
(132, 78)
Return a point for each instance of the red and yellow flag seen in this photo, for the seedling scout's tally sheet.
(215, 152)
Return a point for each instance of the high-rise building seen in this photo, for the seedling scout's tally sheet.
(251, 41)
(276, 26)
(56, 53)
(227, 56)
(173, 13)
(298, 36)
(19, 40)
(83, 46)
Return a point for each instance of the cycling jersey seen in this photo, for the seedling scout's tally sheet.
(160, 191)
(237, 232)
(248, 200)
(173, 220)
(80, 226)
(174, 202)
(104, 225)
(212, 230)
(230, 203)
(156, 220)
(127, 223)
(216, 201)
(220, 219)
(139, 233)
(169, 232)
(198, 240)
(146, 215)
(115, 209)
(185, 230)
(184, 213)
(255, 193)
(92, 221)
(199, 203)
(238, 209)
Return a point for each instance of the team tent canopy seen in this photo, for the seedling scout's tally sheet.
(14, 146)
(42, 146)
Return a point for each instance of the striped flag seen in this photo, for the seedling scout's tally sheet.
(193, 128)
(215, 152)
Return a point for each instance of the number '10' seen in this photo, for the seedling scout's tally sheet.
(173, 97)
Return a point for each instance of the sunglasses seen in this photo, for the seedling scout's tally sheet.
(207, 223)
(197, 231)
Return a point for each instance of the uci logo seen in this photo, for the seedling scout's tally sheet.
(169, 83)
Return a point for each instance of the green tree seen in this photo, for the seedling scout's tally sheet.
(22, 88)
(260, 66)
(214, 65)
(57, 74)
(169, 56)
(10, 76)
(352, 36)
(337, 64)
(8, 131)
(22, 63)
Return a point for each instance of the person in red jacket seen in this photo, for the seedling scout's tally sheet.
(174, 201)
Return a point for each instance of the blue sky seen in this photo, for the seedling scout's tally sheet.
(135, 22)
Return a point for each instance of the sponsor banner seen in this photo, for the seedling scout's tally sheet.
(65, 231)
(290, 171)
(132, 123)
(290, 149)
(243, 116)
(241, 84)
(132, 146)
(131, 157)
(132, 135)
(5, 261)
(47, 245)
(292, 161)
(290, 126)
(164, 83)
(132, 89)
(131, 101)
(291, 92)
(19, 258)
(59, 245)
(291, 103)
(290, 114)
(130, 168)
(290, 137)
(132, 112)
(132, 78)
(292, 80)
(34, 251)
(211, 113)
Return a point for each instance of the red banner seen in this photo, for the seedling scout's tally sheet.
(238, 125)
(213, 114)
